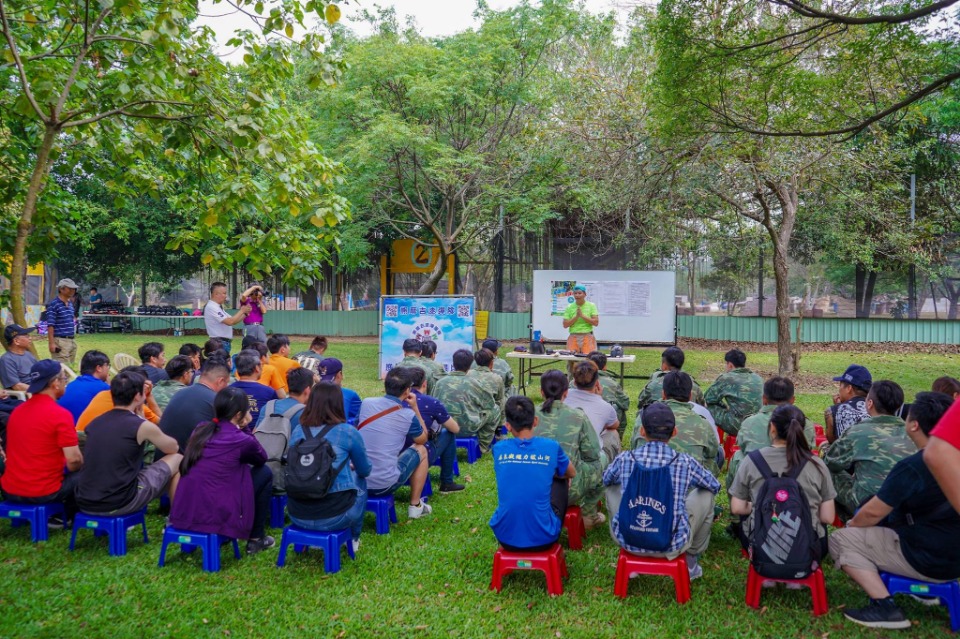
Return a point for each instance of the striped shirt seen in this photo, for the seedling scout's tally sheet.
(685, 474)
(60, 318)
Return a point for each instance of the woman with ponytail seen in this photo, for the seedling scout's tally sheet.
(788, 450)
(571, 428)
(225, 487)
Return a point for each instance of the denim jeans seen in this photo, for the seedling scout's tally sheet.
(444, 447)
(352, 518)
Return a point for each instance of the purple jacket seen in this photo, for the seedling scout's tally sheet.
(216, 495)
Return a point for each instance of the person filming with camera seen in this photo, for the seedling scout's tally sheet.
(253, 321)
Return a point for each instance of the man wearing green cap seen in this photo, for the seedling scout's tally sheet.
(581, 317)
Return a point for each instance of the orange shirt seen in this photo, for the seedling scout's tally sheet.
(271, 377)
(283, 364)
(103, 402)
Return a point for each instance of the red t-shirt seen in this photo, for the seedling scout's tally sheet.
(37, 433)
(948, 428)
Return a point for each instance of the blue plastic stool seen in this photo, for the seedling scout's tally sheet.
(208, 543)
(114, 527)
(472, 444)
(949, 593)
(329, 541)
(37, 515)
(385, 511)
(278, 504)
(456, 465)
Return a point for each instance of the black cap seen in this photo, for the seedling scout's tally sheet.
(491, 345)
(12, 331)
(658, 417)
(856, 375)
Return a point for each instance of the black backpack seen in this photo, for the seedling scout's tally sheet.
(310, 472)
(646, 508)
(783, 543)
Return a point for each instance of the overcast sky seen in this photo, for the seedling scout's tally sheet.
(434, 17)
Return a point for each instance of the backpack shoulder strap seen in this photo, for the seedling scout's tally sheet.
(382, 413)
(268, 407)
(795, 473)
(292, 411)
(761, 464)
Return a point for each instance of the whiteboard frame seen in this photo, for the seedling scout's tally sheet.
(660, 328)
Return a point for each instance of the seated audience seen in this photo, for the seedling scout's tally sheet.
(788, 454)
(195, 353)
(866, 453)
(300, 381)
(736, 393)
(850, 402)
(754, 432)
(103, 402)
(248, 371)
(112, 481)
(40, 442)
(467, 401)
(611, 390)
(588, 397)
(693, 489)
(533, 476)
(412, 356)
(153, 359)
(180, 374)
(942, 455)
(694, 434)
(572, 429)
(194, 404)
(214, 346)
(428, 358)
(331, 370)
(279, 347)
(947, 385)
(269, 374)
(223, 479)
(500, 366)
(482, 371)
(671, 360)
(16, 363)
(441, 430)
(907, 529)
(346, 499)
(385, 424)
(94, 371)
(311, 357)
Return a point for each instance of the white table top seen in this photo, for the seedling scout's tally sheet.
(626, 359)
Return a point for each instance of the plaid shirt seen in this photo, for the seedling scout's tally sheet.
(685, 474)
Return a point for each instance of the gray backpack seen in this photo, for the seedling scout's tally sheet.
(273, 433)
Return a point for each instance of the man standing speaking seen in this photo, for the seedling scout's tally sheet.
(581, 317)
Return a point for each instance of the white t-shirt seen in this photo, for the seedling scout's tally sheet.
(600, 413)
(213, 316)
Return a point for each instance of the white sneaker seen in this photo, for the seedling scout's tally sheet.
(416, 512)
(356, 545)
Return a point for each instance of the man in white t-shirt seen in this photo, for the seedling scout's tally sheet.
(588, 397)
(218, 322)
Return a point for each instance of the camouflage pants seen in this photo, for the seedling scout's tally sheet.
(732, 468)
(586, 489)
(487, 430)
(610, 445)
(727, 420)
(847, 502)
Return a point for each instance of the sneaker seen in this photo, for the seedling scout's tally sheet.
(416, 512)
(451, 487)
(256, 545)
(927, 601)
(592, 521)
(55, 522)
(768, 583)
(794, 586)
(878, 615)
(356, 545)
(696, 572)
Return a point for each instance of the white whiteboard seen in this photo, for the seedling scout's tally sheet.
(634, 306)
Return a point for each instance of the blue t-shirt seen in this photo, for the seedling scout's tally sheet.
(79, 394)
(258, 394)
(432, 410)
(60, 318)
(525, 469)
(351, 406)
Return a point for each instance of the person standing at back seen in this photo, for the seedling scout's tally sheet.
(218, 322)
(252, 298)
(736, 394)
(61, 323)
(581, 318)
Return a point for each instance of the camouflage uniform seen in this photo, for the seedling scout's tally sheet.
(502, 368)
(755, 434)
(470, 405)
(861, 459)
(493, 384)
(420, 362)
(653, 391)
(735, 395)
(434, 371)
(613, 394)
(694, 437)
(571, 428)
(164, 390)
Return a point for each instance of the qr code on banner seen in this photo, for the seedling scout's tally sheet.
(390, 310)
(463, 310)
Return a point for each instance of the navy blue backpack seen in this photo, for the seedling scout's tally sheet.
(646, 510)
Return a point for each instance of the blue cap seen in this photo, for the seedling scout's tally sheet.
(856, 375)
(580, 287)
(41, 373)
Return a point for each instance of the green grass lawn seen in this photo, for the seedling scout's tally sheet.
(427, 578)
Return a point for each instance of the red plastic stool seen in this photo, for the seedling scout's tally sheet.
(815, 582)
(837, 522)
(628, 564)
(729, 448)
(576, 530)
(551, 563)
(820, 436)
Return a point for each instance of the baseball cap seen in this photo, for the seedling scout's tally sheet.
(491, 345)
(580, 287)
(658, 417)
(328, 368)
(15, 329)
(856, 375)
(67, 282)
(41, 373)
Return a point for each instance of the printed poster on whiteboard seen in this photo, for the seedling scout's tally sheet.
(448, 321)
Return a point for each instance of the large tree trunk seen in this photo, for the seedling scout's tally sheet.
(781, 274)
(309, 296)
(691, 281)
(429, 286)
(953, 296)
(866, 281)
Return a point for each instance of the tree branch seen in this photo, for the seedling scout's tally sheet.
(895, 18)
(124, 110)
(21, 71)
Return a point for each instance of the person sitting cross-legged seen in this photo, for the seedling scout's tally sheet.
(908, 529)
(346, 498)
(533, 475)
(691, 498)
(385, 424)
(736, 393)
(671, 360)
(112, 481)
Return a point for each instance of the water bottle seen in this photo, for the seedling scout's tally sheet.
(536, 336)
